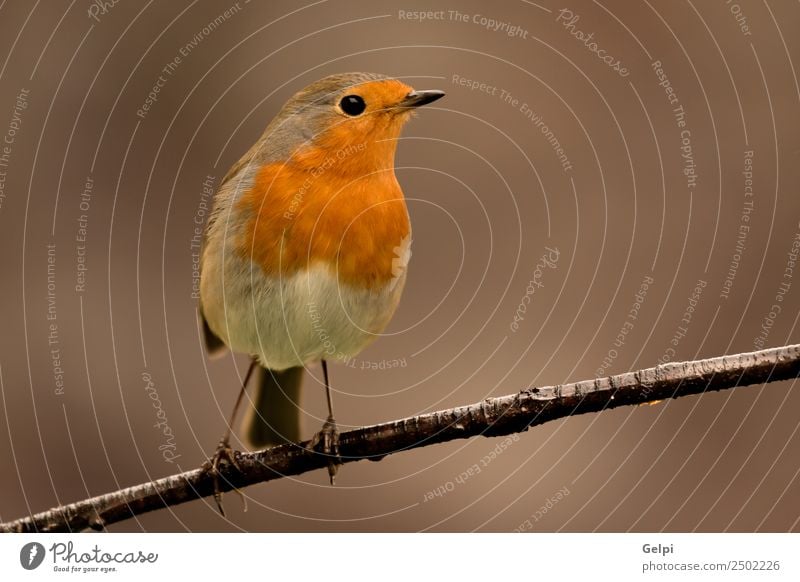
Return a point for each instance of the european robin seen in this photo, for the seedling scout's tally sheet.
(306, 248)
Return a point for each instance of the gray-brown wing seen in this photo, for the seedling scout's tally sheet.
(214, 345)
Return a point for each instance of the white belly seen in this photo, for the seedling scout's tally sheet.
(296, 320)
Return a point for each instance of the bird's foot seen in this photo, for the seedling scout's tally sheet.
(326, 441)
(223, 454)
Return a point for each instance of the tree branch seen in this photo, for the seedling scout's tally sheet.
(492, 417)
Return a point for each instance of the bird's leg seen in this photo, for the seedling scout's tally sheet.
(224, 452)
(328, 438)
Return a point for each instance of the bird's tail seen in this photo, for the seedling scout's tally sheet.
(274, 418)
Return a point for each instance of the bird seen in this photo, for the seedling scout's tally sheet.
(306, 249)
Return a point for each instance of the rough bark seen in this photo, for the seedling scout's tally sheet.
(492, 417)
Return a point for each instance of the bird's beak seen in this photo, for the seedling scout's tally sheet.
(418, 98)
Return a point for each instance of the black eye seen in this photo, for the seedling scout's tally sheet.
(352, 105)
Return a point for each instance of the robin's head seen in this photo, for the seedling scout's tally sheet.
(347, 113)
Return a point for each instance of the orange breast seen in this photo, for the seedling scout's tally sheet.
(325, 208)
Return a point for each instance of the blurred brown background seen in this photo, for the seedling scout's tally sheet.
(487, 194)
